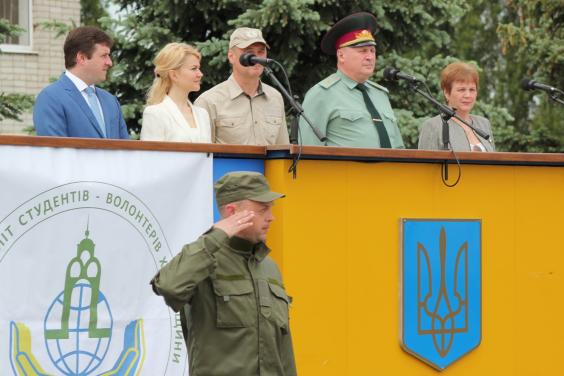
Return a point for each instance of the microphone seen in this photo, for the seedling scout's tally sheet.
(393, 74)
(527, 84)
(248, 60)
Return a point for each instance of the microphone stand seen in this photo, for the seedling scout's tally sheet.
(446, 140)
(555, 97)
(294, 126)
(296, 106)
(446, 131)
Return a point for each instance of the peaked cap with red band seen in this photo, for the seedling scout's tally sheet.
(355, 30)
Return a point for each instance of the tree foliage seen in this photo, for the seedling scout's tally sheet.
(533, 33)
(419, 37)
(502, 49)
(8, 30)
(91, 11)
(12, 105)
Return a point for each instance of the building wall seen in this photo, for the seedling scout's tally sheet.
(28, 73)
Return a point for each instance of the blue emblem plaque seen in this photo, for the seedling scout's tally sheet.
(441, 289)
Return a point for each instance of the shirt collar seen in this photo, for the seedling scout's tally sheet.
(235, 90)
(80, 85)
(248, 249)
(349, 82)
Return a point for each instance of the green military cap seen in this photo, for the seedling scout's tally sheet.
(355, 30)
(243, 185)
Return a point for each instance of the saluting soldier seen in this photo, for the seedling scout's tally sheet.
(234, 308)
(350, 110)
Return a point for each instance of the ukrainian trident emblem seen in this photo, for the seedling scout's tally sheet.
(441, 289)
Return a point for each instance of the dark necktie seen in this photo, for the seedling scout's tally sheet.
(376, 118)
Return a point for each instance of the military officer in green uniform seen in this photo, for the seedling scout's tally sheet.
(233, 304)
(350, 110)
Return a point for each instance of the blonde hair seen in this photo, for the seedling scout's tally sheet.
(459, 71)
(170, 58)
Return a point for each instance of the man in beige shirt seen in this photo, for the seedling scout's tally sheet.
(242, 109)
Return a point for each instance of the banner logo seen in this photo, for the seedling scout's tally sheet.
(441, 289)
(78, 259)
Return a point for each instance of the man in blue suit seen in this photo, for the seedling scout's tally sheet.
(73, 106)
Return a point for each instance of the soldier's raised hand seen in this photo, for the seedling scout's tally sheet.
(236, 222)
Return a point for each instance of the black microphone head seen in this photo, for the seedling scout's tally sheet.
(246, 60)
(390, 73)
(527, 84)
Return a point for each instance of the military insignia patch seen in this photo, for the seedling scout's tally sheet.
(364, 34)
(440, 287)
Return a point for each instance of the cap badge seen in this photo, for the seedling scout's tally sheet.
(364, 34)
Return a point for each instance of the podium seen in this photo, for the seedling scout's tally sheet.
(337, 238)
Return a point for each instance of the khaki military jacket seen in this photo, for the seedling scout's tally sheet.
(234, 307)
(237, 118)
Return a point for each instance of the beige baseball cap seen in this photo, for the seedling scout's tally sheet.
(243, 37)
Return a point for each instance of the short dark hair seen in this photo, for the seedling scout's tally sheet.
(84, 39)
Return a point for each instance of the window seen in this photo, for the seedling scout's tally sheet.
(17, 12)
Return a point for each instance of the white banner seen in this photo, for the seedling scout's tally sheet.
(82, 232)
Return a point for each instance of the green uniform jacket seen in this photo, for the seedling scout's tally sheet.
(337, 108)
(236, 319)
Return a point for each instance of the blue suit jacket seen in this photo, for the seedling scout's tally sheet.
(60, 110)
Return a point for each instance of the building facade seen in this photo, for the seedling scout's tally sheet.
(29, 62)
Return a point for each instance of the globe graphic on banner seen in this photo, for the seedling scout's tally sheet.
(78, 354)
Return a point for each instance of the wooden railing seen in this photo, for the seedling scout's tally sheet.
(292, 151)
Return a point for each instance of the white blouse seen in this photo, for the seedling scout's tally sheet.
(165, 122)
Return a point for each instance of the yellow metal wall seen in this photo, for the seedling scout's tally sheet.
(336, 239)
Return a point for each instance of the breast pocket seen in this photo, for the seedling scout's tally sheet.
(275, 304)
(228, 122)
(351, 116)
(231, 130)
(272, 126)
(391, 124)
(235, 302)
(389, 115)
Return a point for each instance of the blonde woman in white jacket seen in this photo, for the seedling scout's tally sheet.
(169, 115)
